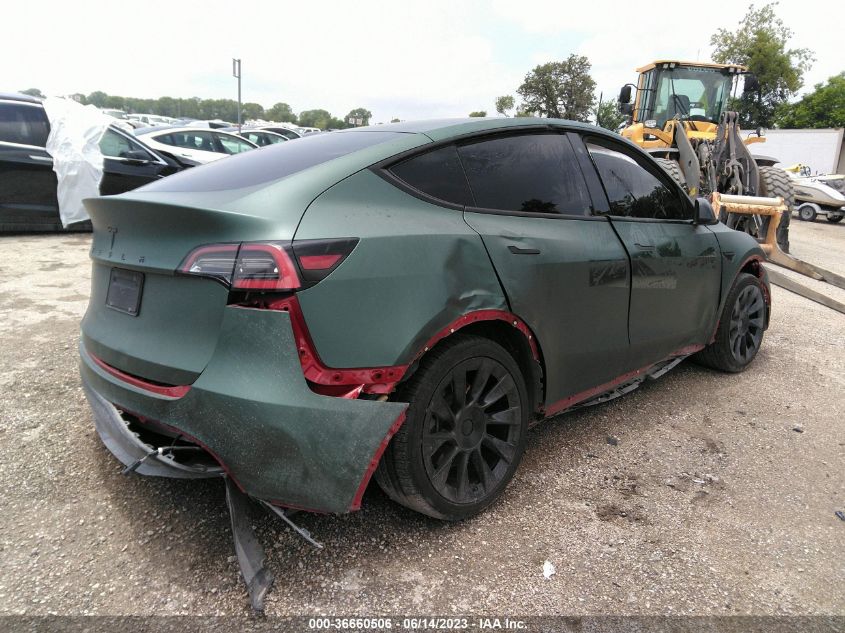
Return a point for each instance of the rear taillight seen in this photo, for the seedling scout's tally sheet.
(317, 258)
(268, 266)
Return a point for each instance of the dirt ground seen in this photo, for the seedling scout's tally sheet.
(701, 493)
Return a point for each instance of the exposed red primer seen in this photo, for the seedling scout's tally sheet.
(376, 380)
(177, 391)
(571, 401)
(356, 501)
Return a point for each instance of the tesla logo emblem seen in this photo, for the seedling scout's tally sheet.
(113, 231)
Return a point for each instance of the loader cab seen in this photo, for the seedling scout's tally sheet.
(689, 91)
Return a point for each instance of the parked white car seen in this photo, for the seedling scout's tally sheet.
(199, 144)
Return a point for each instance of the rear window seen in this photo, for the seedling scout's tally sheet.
(271, 163)
(23, 123)
(438, 174)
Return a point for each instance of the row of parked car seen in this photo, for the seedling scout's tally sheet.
(132, 157)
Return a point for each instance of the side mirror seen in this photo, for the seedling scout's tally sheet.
(136, 155)
(703, 213)
(625, 94)
(752, 84)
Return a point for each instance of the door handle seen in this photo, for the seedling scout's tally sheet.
(516, 250)
(644, 246)
(46, 159)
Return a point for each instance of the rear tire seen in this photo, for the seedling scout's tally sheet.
(464, 431)
(775, 182)
(807, 213)
(741, 327)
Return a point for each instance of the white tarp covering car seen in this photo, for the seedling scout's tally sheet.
(75, 132)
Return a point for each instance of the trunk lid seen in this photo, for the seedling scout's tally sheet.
(174, 333)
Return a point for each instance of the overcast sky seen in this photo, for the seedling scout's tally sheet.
(400, 58)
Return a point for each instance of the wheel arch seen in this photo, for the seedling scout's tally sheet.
(505, 329)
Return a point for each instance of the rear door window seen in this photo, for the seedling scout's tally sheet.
(632, 190)
(24, 124)
(232, 145)
(438, 174)
(531, 173)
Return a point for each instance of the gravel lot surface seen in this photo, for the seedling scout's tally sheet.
(701, 493)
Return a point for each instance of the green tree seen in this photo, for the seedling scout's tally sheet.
(562, 90)
(315, 118)
(395, 121)
(503, 104)
(358, 113)
(608, 116)
(760, 44)
(478, 113)
(97, 98)
(824, 107)
(281, 113)
(252, 111)
(33, 92)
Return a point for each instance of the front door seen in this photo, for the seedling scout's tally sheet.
(675, 264)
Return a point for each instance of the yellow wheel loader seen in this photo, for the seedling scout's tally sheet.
(679, 115)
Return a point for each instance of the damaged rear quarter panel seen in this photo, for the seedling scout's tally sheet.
(416, 269)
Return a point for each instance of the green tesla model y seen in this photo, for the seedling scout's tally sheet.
(399, 302)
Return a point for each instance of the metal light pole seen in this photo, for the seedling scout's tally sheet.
(236, 72)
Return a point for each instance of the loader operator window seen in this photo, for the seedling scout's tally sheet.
(696, 94)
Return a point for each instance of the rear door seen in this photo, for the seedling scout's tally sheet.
(127, 164)
(27, 181)
(563, 270)
(676, 266)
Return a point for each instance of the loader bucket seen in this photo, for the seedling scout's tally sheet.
(774, 208)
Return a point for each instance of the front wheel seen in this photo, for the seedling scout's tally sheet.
(464, 431)
(741, 326)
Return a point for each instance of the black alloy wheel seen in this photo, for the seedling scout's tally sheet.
(464, 432)
(748, 320)
(472, 430)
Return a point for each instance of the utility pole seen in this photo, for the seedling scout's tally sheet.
(236, 72)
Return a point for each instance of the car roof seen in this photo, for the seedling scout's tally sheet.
(442, 129)
(16, 96)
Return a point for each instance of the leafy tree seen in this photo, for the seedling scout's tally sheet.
(561, 90)
(282, 113)
(33, 92)
(760, 44)
(315, 118)
(395, 121)
(252, 111)
(478, 113)
(358, 113)
(608, 116)
(824, 107)
(503, 104)
(97, 98)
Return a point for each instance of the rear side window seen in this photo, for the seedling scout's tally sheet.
(232, 145)
(437, 173)
(277, 161)
(532, 173)
(23, 124)
(632, 190)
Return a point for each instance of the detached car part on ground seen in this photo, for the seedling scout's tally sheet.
(28, 183)
(401, 301)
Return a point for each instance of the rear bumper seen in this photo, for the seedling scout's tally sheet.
(253, 411)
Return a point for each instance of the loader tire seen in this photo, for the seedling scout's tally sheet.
(775, 182)
(672, 168)
(833, 219)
